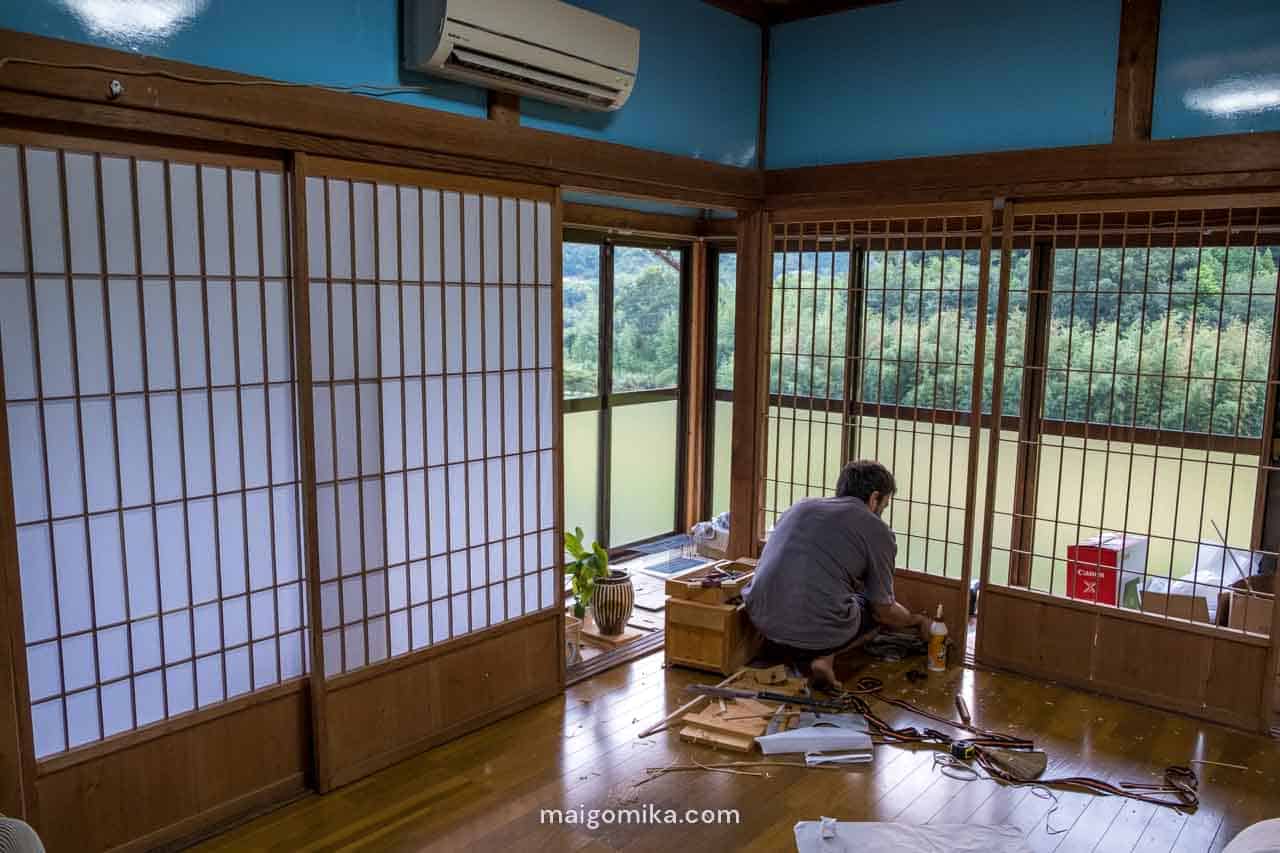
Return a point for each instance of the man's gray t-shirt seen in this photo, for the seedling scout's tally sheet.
(821, 552)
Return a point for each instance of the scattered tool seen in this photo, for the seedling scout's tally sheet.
(685, 708)
(717, 577)
(765, 696)
(963, 709)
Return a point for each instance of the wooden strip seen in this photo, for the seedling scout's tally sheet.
(557, 418)
(1204, 164)
(80, 144)
(356, 170)
(880, 212)
(324, 113)
(696, 371)
(301, 287)
(623, 222)
(751, 324)
(975, 421)
(1136, 70)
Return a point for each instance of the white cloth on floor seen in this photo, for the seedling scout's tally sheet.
(1262, 837)
(831, 836)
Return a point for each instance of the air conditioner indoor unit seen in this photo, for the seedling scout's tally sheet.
(542, 49)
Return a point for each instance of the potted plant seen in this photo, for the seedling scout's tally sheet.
(588, 564)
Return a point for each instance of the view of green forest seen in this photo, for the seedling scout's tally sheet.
(646, 319)
(1176, 340)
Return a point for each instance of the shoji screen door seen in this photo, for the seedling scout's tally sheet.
(145, 332)
(1137, 339)
(876, 340)
(434, 349)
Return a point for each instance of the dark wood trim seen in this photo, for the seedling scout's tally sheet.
(1030, 413)
(604, 442)
(503, 107)
(699, 356)
(300, 286)
(1202, 164)
(557, 418)
(321, 121)
(617, 221)
(1136, 70)
(17, 742)
(752, 316)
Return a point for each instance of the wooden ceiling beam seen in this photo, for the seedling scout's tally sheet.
(70, 83)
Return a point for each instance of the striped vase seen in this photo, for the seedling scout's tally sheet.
(612, 602)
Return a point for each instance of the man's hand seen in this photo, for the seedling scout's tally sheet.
(924, 624)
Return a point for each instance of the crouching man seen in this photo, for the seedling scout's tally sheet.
(825, 579)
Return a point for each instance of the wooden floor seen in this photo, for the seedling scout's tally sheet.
(485, 791)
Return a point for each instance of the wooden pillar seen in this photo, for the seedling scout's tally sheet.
(17, 744)
(750, 384)
(697, 374)
(1136, 70)
(503, 107)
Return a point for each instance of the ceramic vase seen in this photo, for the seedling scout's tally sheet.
(612, 602)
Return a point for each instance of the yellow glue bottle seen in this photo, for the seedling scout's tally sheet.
(938, 643)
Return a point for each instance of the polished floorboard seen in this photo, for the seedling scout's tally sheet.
(580, 751)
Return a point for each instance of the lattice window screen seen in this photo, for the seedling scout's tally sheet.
(872, 354)
(431, 353)
(147, 360)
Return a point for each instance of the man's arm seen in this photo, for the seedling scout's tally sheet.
(894, 615)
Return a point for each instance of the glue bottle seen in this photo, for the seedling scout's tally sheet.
(938, 643)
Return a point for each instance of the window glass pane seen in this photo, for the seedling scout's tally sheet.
(726, 295)
(581, 466)
(581, 319)
(642, 472)
(646, 319)
(722, 455)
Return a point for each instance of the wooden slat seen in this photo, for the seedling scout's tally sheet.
(300, 287)
(697, 373)
(310, 119)
(1205, 164)
(618, 220)
(353, 170)
(1136, 70)
(17, 746)
(750, 378)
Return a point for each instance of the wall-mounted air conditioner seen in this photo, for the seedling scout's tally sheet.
(543, 49)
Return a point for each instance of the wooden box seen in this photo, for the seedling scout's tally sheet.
(713, 637)
(688, 585)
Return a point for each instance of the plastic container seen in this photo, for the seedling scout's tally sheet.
(938, 643)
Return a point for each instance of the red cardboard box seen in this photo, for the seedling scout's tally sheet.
(1097, 567)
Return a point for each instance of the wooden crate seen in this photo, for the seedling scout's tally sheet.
(712, 637)
(688, 585)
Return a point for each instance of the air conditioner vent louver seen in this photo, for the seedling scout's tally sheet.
(501, 69)
(544, 49)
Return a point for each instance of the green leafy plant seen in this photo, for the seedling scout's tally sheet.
(588, 563)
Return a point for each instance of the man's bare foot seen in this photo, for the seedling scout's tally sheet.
(822, 674)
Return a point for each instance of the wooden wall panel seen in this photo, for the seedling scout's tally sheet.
(921, 593)
(1034, 638)
(379, 718)
(1194, 671)
(180, 783)
(1157, 664)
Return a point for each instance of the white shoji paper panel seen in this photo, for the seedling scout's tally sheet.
(146, 345)
(431, 355)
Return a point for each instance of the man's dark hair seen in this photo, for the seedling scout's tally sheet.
(859, 479)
